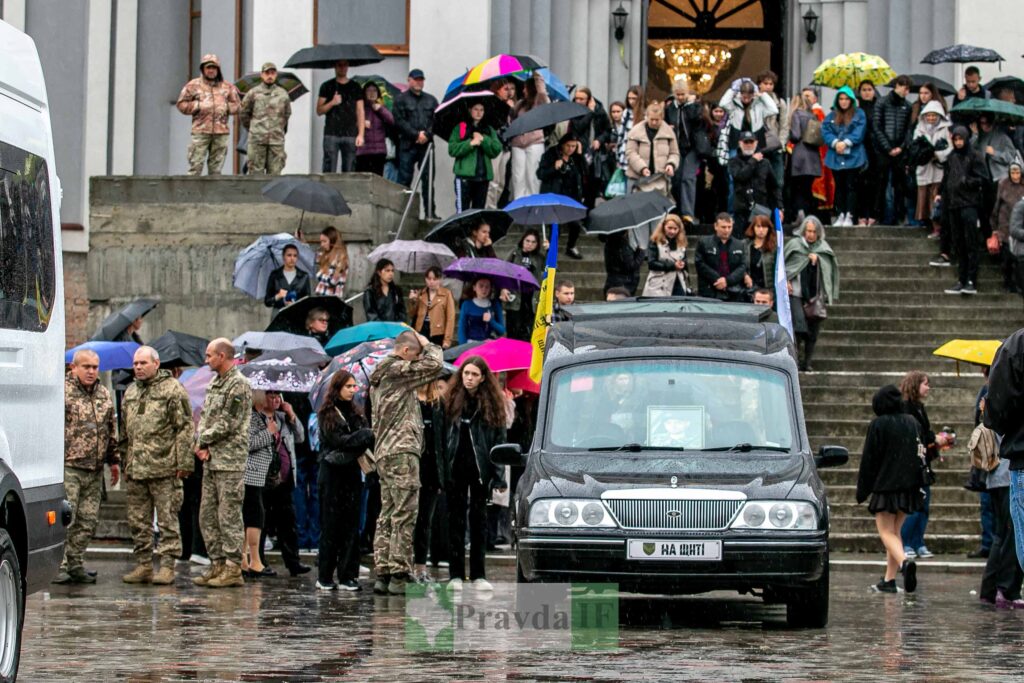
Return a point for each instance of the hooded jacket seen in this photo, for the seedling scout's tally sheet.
(209, 103)
(965, 174)
(998, 163)
(397, 423)
(760, 108)
(1004, 406)
(891, 459)
(938, 137)
(851, 133)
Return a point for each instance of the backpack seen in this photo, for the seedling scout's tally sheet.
(812, 133)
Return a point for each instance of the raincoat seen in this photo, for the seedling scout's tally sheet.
(851, 133)
(797, 254)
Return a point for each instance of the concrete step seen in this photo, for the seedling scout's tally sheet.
(822, 411)
(947, 476)
(991, 329)
(937, 525)
(857, 268)
(868, 542)
(858, 427)
(953, 499)
(958, 308)
(837, 346)
(896, 286)
(966, 380)
(989, 298)
(961, 399)
(824, 363)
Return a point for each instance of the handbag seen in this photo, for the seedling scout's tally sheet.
(976, 480)
(616, 187)
(992, 244)
(814, 308)
(812, 133)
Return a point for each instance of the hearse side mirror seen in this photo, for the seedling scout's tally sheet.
(831, 456)
(508, 454)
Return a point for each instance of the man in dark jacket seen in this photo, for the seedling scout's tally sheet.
(685, 114)
(962, 185)
(621, 262)
(721, 262)
(414, 117)
(1004, 414)
(891, 122)
(561, 171)
(753, 182)
(288, 283)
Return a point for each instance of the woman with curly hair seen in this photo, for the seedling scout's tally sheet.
(666, 259)
(475, 417)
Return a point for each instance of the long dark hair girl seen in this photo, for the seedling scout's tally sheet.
(327, 416)
(377, 284)
(488, 395)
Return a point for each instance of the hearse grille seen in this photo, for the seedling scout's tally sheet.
(682, 515)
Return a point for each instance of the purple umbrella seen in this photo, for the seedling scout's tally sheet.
(502, 274)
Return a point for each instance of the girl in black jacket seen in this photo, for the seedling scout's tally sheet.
(345, 434)
(383, 300)
(432, 411)
(890, 479)
(476, 419)
(914, 389)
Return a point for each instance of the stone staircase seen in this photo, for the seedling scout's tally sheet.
(891, 316)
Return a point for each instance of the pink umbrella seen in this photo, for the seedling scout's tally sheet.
(502, 355)
(520, 379)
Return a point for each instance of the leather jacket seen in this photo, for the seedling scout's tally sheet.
(301, 285)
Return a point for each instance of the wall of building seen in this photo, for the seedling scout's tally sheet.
(994, 24)
(76, 299)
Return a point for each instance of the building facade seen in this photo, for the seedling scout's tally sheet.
(114, 67)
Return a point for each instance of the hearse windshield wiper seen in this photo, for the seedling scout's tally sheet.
(746, 448)
(635, 448)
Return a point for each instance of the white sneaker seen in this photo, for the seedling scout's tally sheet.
(200, 560)
(482, 585)
(847, 220)
(455, 585)
(326, 587)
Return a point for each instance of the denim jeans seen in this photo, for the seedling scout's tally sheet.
(914, 525)
(335, 147)
(1017, 510)
(307, 507)
(987, 520)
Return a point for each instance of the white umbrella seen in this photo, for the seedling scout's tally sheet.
(413, 256)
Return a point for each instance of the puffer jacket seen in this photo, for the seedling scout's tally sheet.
(638, 150)
(891, 122)
(891, 460)
(932, 171)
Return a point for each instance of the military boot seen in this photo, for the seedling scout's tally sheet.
(164, 577)
(397, 584)
(212, 572)
(141, 574)
(79, 575)
(230, 575)
(380, 586)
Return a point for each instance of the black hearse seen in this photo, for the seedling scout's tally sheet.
(670, 456)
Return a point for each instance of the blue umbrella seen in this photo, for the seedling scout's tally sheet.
(542, 209)
(557, 91)
(113, 355)
(354, 336)
(256, 261)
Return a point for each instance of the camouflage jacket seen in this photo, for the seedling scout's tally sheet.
(157, 428)
(265, 112)
(397, 422)
(90, 436)
(209, 105)
(224, 425)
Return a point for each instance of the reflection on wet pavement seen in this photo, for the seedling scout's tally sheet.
(281, 629)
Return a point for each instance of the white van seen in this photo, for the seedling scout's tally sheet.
(33, 511)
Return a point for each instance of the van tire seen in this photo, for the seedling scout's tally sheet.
(12, 602)
(808, 607)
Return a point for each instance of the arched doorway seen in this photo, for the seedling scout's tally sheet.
(709, 43)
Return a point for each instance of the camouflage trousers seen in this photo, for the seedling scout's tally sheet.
(83, 490)
(266, 158)
(399, 502)
(208, 147)
(220, 514)
(164, 496)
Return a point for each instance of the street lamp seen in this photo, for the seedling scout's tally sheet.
(811, 27)
(619, 17)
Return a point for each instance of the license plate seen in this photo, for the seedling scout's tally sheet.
(686, 551)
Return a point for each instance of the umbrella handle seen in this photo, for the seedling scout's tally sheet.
(544, 232)
(301, 216)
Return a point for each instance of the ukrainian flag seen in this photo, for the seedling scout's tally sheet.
(545, 307)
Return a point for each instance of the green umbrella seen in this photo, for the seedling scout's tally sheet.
(285, 79)
(388, 90)
(1005, 112)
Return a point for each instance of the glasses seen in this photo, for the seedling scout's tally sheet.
(320, 320)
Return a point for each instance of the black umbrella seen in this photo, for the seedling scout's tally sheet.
(961, 54)
(917, 80)
(292, 318)
(452, 354)
(458, 226)
(544, 116)
(325, 56)
(176, 350)
(637, 210)
(286, 79)
(113, 328)
(1007, 83)
(451, 113)
(308, 195)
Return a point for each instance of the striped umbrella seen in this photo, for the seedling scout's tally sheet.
(850, 69)
(499, 66)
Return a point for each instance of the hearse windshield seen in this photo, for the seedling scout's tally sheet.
(666, 404)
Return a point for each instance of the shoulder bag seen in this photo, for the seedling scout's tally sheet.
(814, 308)
(812, 133)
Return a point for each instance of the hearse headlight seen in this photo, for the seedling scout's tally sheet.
(568, 512)
(777, 514)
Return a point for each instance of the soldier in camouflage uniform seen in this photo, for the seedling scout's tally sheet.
(265, 112)
(90, 440)
(209, 100)
(398, 429)
(223, 445)
(156, 439)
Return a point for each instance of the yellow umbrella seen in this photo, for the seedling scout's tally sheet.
(852, 68)
(974, 351)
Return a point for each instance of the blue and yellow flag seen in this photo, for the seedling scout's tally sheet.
(545, 307)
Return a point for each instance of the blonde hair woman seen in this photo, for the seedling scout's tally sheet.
(666, 259)
(332, 264)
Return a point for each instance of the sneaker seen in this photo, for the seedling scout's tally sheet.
(380, 586)
(423, 578)
(455, 585)
(200, 560)
(1001, 602)
(923, 552)
(979, 553)
(934, 235)
(574, 253)
(482, 585)
(970, 288)
(941, 261)
(331, 586)
(909, 571)
(884, 586)
(910, 553)
(443, 564)
(872, 221)
(955, 289)
(62, 578)
(350, 585)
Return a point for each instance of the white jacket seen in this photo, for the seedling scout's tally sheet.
(932, 171)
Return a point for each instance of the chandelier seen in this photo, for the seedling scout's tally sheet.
(695, 63)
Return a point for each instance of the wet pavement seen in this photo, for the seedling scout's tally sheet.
(282, 629)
